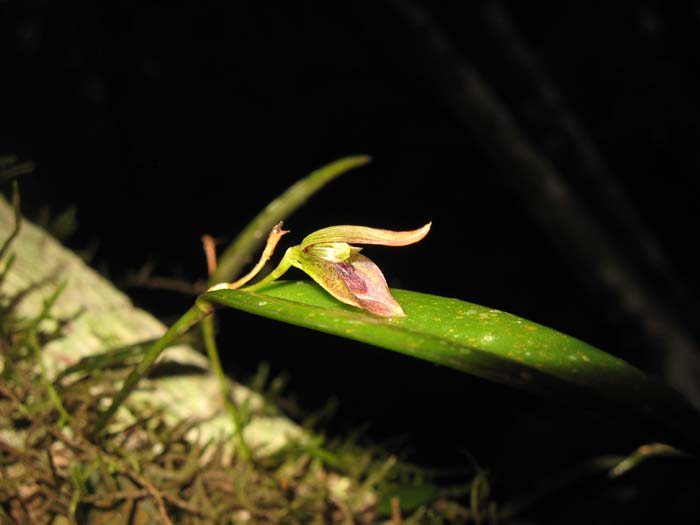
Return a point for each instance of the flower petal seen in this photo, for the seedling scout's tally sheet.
(332, 251)
(374, 296)
(326, 274)
(357, 282)
(364, 235)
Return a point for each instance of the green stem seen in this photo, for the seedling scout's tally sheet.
(213, 353)
(32, 341)
(65, 417)
(224, 386)
(199, 311)
(275, 274)
(78, 490)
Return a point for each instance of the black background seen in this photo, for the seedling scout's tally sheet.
(160, 124)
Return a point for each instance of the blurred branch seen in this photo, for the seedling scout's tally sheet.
(170, 284)
(586, 168)
(10, 169)
(144, 278)
(535, 179)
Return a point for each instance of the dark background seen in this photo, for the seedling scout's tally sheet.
(160, 124)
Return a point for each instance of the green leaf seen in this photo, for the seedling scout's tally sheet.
(490, 344)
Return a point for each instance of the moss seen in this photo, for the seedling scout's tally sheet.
(52, 473)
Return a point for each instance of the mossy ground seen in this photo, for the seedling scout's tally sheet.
(53, 472)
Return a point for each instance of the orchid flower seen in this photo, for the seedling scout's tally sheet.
(330, 258)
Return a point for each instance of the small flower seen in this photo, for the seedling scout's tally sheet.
(331, 260)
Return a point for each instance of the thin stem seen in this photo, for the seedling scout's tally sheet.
(275, 274)
(208, 327)
(65, 417)
(209, 246)
(15, 170)
(224, 386)
(199, 311)
(272, 239)
(171, 284)
(35, 348)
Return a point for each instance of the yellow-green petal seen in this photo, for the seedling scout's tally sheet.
(332, 251)
(365, 235)
(326, 275)
(374, 296)
(357, 282)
